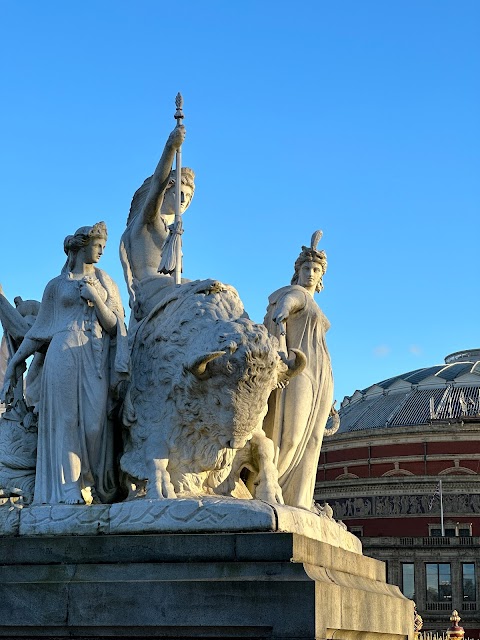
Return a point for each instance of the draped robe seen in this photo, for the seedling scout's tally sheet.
(83, 362)
(297, 415)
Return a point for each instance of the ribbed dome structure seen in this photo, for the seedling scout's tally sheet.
(403, 473)
(447, 392)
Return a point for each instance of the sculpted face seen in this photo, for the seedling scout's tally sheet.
(168, 205)
(309, 275)
(93, 250)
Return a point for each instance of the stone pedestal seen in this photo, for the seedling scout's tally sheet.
(266, 584)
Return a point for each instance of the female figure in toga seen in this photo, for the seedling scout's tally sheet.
(81, 325)
(297, 414)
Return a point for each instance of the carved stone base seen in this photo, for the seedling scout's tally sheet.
(212, 585)
(199, 515)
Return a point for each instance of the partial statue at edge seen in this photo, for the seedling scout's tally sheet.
(298, 414)
(18, 424)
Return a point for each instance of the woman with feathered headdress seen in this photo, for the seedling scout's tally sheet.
(297, 414)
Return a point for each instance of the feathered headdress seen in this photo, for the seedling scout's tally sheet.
(311, 254)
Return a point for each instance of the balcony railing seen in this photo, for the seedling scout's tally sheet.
(438, 606)
(436, 635)
(425, 541)
(437, 541)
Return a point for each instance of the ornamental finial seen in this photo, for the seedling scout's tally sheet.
(455, 631)
(179, 104)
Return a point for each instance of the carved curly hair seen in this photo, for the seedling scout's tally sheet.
(81, 237)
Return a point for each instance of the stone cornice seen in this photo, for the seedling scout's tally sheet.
(395, 485)
(401, 459)
(402, 435)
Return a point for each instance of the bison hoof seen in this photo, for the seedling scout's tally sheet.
(270, 494)
(160, 490)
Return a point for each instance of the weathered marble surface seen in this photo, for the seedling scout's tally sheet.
(202, 373)
(181, 515)
(176, 410)
(18, 451)
(316, 527)
(191, 515)
(64, 519)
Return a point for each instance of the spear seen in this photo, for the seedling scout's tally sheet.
(178, 194)
(171, 261)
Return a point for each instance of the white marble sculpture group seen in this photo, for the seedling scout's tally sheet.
(196, 400)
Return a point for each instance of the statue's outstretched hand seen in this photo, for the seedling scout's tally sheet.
(12, 376)
(280, 319)
(176, 138)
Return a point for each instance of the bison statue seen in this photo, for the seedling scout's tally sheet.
(202, 373)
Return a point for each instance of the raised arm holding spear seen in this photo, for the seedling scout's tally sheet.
(171, 262)
(150, 248)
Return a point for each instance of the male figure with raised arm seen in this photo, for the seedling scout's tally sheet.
(148, 226)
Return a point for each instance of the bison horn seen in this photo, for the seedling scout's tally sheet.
(295, 365)
(199, 366)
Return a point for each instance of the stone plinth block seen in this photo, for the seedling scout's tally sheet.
(213, 585)
(64, 519)
(194, 515)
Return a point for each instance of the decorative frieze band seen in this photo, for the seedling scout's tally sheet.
(397, 505)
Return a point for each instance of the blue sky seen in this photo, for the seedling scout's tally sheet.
(360, 118)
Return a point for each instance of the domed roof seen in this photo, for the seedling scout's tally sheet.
(447, 392)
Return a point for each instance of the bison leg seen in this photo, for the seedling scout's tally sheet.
(159, 485)
(266, 480)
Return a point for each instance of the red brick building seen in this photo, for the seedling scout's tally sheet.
(399, 441)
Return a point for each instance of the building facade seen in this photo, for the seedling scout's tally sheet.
(405, 461)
